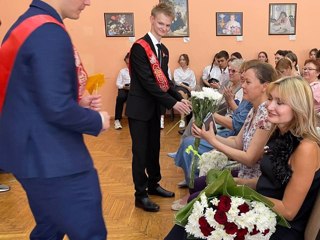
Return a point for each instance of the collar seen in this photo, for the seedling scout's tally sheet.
(154, 40)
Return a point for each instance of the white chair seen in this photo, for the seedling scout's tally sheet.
(312, 230)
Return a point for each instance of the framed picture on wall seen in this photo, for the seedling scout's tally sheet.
(282, 18)
(119, 24)
(229, 23)
(180, 24)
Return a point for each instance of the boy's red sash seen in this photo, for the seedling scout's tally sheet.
(11, 46)
(161, 78)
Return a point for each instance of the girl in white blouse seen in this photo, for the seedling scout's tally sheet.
(185, 81)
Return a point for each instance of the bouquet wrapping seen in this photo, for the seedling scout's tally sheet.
(203, 102)
(215, 160)
(225, 210)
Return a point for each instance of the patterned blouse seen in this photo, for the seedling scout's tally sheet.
(252, 123)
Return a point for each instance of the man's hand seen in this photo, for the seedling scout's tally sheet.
(91, 101)
(183, 107)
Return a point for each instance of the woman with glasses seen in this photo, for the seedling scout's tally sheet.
(311, 71)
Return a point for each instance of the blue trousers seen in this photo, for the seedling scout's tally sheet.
(69, 205)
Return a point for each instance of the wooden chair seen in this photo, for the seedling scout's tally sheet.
(312, 230)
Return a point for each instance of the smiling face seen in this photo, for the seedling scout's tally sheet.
(279, 112)
(310, 72)
(160, 25)
(71, 8)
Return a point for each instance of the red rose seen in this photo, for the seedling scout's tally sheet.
(220, 217)
(266, 232)
(231, 228)
(224, 203)
(239, 238)
(242, 232)
(254, 231)
(205, 227)
(243, 208)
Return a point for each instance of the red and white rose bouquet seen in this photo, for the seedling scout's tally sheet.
(230, 218)
(227, 211)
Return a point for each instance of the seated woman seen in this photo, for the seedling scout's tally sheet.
(263, 56)
(256, 128)
(290, 167)
(311, 72)
(185, 81)
(284, 68)
(313, 53)
(294, 60)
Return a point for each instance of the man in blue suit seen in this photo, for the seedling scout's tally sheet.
(42, 123)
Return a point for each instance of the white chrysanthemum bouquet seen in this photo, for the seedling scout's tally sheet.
(212, 160)
(203, 102)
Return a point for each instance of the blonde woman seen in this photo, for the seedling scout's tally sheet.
(290, 166)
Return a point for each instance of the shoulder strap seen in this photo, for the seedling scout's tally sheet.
(11, 46)
(161, 78)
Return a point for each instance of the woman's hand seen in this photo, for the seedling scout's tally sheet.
(228, 94)
(203, 133)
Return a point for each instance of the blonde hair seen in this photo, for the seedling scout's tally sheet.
(297, 93)
(163, 7)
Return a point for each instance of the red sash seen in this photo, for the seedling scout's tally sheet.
(161, 78)
(11, 46)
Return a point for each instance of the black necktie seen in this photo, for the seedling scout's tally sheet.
(159, 53)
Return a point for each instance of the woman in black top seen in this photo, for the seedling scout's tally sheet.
(290, 166)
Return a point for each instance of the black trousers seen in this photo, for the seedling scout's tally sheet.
(121, 99)
(145, 137)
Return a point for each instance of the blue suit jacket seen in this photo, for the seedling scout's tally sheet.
(41, 124)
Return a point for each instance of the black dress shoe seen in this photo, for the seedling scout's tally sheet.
(159, 191)
(146, 204)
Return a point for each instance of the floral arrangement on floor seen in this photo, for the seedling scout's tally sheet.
(203, 102)
(227, 211)
(214, 160)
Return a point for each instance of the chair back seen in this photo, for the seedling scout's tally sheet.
(312, 230)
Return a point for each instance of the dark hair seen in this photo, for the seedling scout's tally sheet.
(126, 57)
(282, 52)
(318, 54)
(186, 57)
(263, 71)
(237, 55)
(264, 53)
(313, 50)
(223, 54)
(293, 57)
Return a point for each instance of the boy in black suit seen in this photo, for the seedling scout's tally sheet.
(149, 90)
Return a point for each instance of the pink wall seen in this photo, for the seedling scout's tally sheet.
(105, 55)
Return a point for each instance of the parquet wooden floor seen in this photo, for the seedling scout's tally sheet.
(111, 152)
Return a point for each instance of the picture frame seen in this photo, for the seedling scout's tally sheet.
(229, 23)
(180, 24)
(120, 24)
(282, 18)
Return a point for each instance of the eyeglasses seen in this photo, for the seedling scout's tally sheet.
(309, 69)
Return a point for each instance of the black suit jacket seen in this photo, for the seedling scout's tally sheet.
(145, 96)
